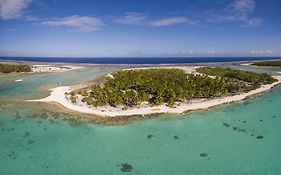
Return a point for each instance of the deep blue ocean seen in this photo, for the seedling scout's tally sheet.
(136, 60)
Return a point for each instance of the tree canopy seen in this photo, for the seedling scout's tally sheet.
(8, 68)
(157, 86)
(268, 63)
(246, 76)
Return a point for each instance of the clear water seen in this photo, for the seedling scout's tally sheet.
(35, 145)
(35, 86)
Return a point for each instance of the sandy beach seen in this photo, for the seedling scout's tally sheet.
(53, 68)
(44, 68)
(58, 96)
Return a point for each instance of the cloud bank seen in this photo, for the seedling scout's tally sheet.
(12, 9)
(171, 21)
(238, 11)
(79, 23)
(133, 18)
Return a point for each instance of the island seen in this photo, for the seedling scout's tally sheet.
(268, 63)
(19, 68)
(158, 90)
(11, 67)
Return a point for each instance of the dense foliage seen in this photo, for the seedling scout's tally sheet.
(157, 86)
(250, 77)
(267, 63)
(8, 68)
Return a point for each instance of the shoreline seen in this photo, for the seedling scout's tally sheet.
(37, 68)
(58, 96)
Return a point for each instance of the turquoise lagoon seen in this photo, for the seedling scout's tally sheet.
(243, 138)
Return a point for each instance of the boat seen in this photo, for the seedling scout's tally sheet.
(18, 80)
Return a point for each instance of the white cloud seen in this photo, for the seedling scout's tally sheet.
(31, 18)
(12, 9)
(239, 11)
(171, 21)
(262, 52)
(253, 22)
(244, 7)
(80, 23)
(131, 18)
(10, 29)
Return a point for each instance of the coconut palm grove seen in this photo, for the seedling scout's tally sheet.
(157, 86)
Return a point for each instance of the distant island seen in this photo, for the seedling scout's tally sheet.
(19, 68)
(268, 63)
(177, 89)
(10, 67)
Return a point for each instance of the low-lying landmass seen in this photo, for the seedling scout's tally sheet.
(19, 68)
(53, 68)
(145, 91)
(28, 68)
(268, 63)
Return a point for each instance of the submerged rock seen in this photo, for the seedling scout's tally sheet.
(203, 155)
(10, 129)
(30, 142)
(226, 124)
(26, 134)
(246, 103)
(242, 130)
(125, 167)
(12, 155)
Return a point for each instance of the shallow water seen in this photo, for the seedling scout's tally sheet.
(35, 86)
(242, 138)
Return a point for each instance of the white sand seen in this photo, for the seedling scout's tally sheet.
(246, 64)
(58, 96)
(52, 68)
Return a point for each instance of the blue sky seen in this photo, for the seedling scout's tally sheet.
(117, 28)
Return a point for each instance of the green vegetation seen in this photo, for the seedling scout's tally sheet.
(73, 97)
(252, 78)
(8, 68)
(267, 63)
(157, 86)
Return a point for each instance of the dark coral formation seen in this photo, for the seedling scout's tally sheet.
(26, 134)
(125, 167)
(30, 142)
(12, 155)
(226, 124)
(203, 155)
